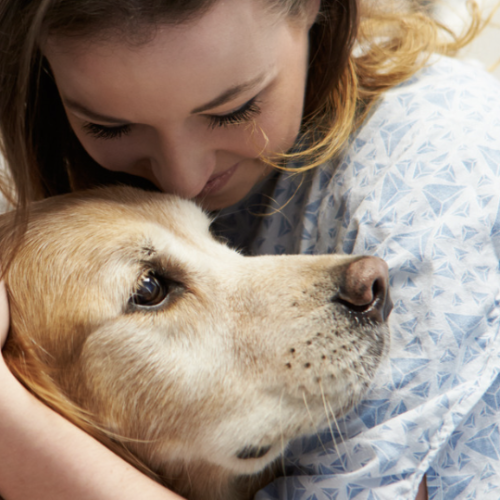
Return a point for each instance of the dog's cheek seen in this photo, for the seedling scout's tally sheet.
(166, 382)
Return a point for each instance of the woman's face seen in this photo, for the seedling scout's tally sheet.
(192, 109)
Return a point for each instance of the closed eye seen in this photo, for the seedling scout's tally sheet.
(104, 132)
(243, 114)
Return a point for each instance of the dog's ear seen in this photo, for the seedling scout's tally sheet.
(33, 366)
(13, 227)
(24, 362)
(22, 359)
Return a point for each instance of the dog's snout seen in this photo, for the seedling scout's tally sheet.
(366, 288)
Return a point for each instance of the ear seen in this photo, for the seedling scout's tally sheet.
(311, 12)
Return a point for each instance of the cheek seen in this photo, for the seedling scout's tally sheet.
(112, 156)
(281, 124)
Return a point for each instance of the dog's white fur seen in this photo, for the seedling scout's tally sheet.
(241, 354)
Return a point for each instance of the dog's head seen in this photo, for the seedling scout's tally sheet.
(179, 347)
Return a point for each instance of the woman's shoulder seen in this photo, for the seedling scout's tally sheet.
(448, 97)
(440, 127)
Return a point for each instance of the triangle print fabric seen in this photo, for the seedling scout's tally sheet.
(419, 186)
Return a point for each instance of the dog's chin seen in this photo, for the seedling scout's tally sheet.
(319, 414)
(254, 458)
(251, 458)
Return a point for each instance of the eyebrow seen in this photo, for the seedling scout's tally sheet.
(75, 106)
(226, 96)
(229, 94)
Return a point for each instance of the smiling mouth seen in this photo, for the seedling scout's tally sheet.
(217, 182)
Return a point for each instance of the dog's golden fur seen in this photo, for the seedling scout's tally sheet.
(189, 360)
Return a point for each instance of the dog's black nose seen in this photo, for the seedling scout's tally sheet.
(366, 288)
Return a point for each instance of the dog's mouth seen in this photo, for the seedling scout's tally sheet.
(253, 452)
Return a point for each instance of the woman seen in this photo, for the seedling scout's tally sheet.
(202, 99)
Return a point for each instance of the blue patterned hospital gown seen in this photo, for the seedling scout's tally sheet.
(419, 185)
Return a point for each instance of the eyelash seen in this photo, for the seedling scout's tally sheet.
(241, 115)
(102, 132)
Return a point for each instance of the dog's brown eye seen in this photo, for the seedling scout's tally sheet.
(152, 291)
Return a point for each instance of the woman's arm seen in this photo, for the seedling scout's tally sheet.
(44, 456)
(422, 491)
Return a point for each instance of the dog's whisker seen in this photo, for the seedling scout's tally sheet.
(283, 444)
(318, 433)
(328, 419)
(339, 432)
(361, 376)
(307, 408)
(282, 436)
(188, 475)
(41, 348)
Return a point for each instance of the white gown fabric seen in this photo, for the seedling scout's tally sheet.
(419, 186)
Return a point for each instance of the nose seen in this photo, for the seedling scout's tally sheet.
(365, 289)
(181, 165)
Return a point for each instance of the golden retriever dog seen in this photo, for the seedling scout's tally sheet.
(194, 363)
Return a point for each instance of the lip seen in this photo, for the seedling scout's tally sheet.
(217, 182)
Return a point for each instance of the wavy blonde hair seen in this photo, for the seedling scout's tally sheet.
(394, 40)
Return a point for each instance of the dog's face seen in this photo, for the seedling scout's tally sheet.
(182, 346)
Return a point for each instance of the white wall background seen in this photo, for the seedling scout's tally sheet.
(485, 48)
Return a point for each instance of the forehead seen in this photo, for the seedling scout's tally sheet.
(230, 42)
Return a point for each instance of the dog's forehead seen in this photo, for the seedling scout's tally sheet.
(181, 217)
(115, 223)
(113, 211)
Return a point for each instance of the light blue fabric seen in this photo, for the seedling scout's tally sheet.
(419, 186)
